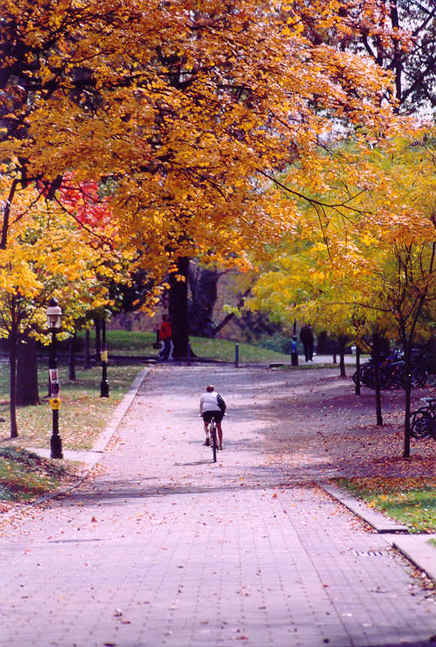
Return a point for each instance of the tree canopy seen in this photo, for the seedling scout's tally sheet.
(176, 108)
(365, 249)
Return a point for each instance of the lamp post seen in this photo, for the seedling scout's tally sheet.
(54, 318)
(104, 385)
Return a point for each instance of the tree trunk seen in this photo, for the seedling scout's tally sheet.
(178, 308)
(97, 325)
(72, 359)
(378, 404)
(87, 362)
(407, 397)
(13, 383)
(357, 386)
(27, 373)
(204, 292)
(342, 343)
(397, 61)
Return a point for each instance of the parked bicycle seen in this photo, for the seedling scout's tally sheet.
(423, 420)
(392, 372)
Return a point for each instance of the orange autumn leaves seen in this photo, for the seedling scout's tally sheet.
(181, 104)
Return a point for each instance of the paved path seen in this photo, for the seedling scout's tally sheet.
(166, 548)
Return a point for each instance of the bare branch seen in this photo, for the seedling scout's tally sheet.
(344, 204)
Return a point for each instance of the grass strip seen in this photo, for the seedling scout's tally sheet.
(122, 342)
(224, 350)
(411, 501)
(83, 414)
(24, 475)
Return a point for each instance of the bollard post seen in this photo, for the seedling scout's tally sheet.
(55, 440)
(236, 355)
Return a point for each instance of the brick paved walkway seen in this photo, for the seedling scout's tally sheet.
(166, 548)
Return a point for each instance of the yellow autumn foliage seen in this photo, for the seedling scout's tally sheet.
(362, 256)
(181, 107)
(50, 255)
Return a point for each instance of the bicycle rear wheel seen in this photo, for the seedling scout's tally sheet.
(421, 424)
(213, 439)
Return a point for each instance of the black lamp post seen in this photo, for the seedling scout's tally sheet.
(104, 385)
(54, 318)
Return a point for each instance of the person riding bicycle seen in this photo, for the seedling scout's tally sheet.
(212, 405)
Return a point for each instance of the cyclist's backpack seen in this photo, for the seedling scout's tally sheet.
(220, 402)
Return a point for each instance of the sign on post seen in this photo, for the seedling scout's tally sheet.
(54, 382)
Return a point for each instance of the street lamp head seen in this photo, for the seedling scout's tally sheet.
(54, 315)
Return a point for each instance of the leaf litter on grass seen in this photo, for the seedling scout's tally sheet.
(329, 433)
(24, 475)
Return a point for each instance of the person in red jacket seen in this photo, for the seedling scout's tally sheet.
(165, 336)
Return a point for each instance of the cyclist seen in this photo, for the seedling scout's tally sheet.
(212, 405)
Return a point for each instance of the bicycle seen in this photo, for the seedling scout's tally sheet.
(423, 420)
(213, 438)
(392, 372)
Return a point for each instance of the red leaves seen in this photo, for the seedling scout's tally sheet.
(84, 200)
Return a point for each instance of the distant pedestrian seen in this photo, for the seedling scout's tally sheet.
(165, 336)
(307, 339)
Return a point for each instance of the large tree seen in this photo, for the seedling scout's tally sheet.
(365, 252)
(179, 108)
(49, 254)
